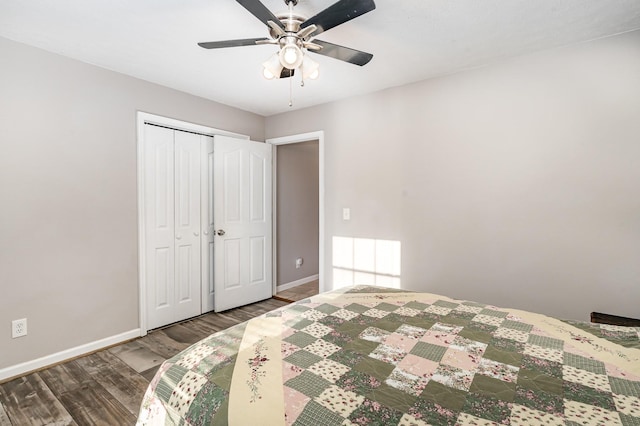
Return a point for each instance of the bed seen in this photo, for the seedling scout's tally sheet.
(369, 355)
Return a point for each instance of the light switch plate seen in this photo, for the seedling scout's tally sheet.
(346, 213)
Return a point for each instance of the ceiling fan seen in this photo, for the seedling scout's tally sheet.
(295, 35)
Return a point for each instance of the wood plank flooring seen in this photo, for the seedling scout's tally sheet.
(299, 292)
(106, 387)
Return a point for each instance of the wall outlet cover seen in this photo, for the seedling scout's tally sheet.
(19, 328)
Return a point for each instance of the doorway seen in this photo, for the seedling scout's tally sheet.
(298, 267)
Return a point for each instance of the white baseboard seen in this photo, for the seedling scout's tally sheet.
(296, 283)
(36, 364)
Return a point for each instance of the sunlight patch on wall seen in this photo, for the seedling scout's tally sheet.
(365, 261)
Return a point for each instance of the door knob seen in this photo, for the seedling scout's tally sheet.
(220, 232)
(178, 237)
(195, 234)
(206, 232)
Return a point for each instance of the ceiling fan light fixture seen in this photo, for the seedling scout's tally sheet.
(272, 67)
(310, 69)
(291, 56)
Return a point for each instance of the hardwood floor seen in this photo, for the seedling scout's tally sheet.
(299, 292)
(106, 387)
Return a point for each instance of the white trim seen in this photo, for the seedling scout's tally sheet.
(296, 283)
(303, 137)
(142, 118)
(48, 360)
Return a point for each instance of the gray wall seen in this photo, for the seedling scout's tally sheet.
(516, 184)
(297, 210)
(68, 214)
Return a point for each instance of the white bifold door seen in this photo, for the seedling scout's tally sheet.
(207, 223)
(178, 221)
(242, 217)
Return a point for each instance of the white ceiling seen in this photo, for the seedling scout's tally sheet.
(411, 40)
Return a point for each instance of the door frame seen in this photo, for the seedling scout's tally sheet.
(143, 118)
(297, 138)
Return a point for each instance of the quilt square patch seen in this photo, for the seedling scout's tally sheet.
(302, 358)
(411, 331)
(374, 334)
(406, 382)
(375, 313)
(583, 363)
(300, 339)
(453, 377)
(488, 319)
(313, 315)
(407, 312)
(339, 401)
(418, 366)
(322, 348)
(485, 407)
(388, 354)
(510, 333)
(328, 369)
(438, 310)
(546, 342)
(372, 413)
(586, 378)
(524, 416)
(315, 414)
(429, 351)
(624, 387)
(588, 414)
(544, 353)
(540, 400)
(629, 405)
(345, 314)
(498, 370)
(308, 384)
(317, 330)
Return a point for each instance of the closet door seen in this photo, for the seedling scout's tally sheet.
(172, 225)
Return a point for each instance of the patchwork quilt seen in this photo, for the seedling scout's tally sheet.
(375, 356)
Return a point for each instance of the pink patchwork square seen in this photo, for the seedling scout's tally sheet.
(418, 366)
(399, 341)
(289, 371)
(438, 338)
(294, 403)
(460, 359)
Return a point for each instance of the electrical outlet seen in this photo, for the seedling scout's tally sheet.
(19, 328)
(299, 262)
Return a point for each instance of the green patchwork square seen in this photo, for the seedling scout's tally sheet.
(222, 377)
(207, 402)
(363, 347)
(298, 323)
(624, 387)
(418, 321)
(507, 344)
(433, 413)
(445, 396)
(300, 339)
(486, 407)
(346, 357)
(505, 357)
(167, 384)
(372, 413)
(517, 325)
(474, 304)
(358, 382)
(429, 351)
(454, 320)
(357, 308)
(495, 388)
(387, 307)
(416, 305)
(351, 328)
(544, 366)
(446, 304)
(461, 315)
(478, 336)
(535, 381)
(308, 384)
(303, 358)
(297, 307)
(315, 414)
(326, 308)
(389, 323)
(374, 367)
(546, 342)
(588, 395)
(392, 397)
(628, 420)
(584, 363)
(493, 313)
(540, 400)
(480, 326)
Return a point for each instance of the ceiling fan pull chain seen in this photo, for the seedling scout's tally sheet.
(290, 92)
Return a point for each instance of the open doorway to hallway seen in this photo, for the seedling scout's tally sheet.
(297, 220)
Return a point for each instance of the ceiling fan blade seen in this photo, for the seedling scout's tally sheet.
(338, 13)
(232, 43)
(260, 11)
(342, 53)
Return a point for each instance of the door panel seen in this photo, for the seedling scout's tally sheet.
(172, 225)
(206, 216)
(187, 239)
(242, 210)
